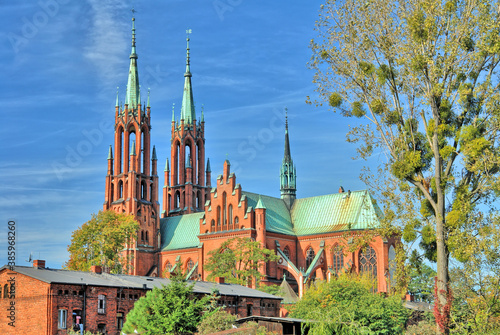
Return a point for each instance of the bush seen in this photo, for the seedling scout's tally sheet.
(216, 322)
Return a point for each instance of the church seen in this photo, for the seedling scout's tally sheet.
(309, 235)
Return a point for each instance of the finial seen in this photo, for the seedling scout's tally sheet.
(208, 165)
(286, 118)
(110, 153)
(132, 150)
(202, 113)
(188, 31)
(173, 112)
(167, 166)
(154, 158)
(133, 28)
(149, 90)
(117, 103)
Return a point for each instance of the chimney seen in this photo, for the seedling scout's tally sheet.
(219, 280)
(38, 263)
(96, 269)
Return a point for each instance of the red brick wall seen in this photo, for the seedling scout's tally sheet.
(31, 301)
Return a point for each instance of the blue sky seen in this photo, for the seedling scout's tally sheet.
(62, 61)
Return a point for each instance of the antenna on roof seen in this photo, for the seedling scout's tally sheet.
(30, 259)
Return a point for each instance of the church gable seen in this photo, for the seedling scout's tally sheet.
(227, 209)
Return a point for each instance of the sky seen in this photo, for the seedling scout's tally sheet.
(62, 61)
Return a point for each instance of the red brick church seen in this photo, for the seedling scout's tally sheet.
(309, 235)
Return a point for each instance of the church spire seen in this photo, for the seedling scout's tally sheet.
(133, 76)
(187, 109)
(287, 172)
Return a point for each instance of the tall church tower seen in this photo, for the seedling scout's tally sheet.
(288, 174)
(132, 178)
(187, 183)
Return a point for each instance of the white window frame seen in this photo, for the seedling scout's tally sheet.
(101, 298)
(62, 318)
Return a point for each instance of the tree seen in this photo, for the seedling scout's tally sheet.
(422, 73)
(239, 260)
(216, 322)
(100, 241)
(172, 310)
(421, 283)
(347, 305)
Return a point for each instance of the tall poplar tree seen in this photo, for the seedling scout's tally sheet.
(423, 75)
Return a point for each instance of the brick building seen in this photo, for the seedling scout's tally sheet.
(50, 301)
(310, 235)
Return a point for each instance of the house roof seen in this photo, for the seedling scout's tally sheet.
(58, 276)
(180, 232)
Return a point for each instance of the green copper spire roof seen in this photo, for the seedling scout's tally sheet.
(288, 176)
(110, 153)
(202, 113)
(133, 94)
(154, 154)
(167, 166)
(187, 109)
(132, 150)
(117, 103)
(260, 205)
(173, 112)
(148, 98)
(208, 165)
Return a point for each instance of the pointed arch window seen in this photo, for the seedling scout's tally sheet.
(5, 291)
(309, 256)
(368, 261)
(236, 222)
(338, 259)
(147, 237)
(224, 208)
(189, 265)
(142, 235)
(230, 216)
(286, 273)
(286, 251)
(120, 189)
(212, 224)
(168, 266)
(218, 217)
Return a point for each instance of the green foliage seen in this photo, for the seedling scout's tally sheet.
(348, 306)
(273, 289)
(100, 241)
(216, 322)
(238, 260)
(421, 283)
(172, 310)
(335, 100)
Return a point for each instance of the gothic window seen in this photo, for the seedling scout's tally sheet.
(309, 257)
(142, 235)
(141, 152)
(224, 207)
(151, 192)
(112, 192)
(5, 291)
(176, 163)
(218, 217)
(131, 141)
(144, 190)
(236, 222)
(168, 266)
(120, 189)
(286, 251)
(147, 237)
(338, 259)
(230, 216)
(189, 266)
(368, 261)
(101, 304)
(177, 199)
(212, 224)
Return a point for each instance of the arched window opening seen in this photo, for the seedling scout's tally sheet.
(143, 153)
(151, 192)
(177, 199)
(112, 192)
(142, 235)
(5, 291)
(168, 266)
(120, 189)
(120, 152)
(286, 251)
(131, 140)
(176, 166)
(338, 259)
(309, 256)
(212, 224)
(199, 164)
(368, 261)
(138, 190)
(236, 222)
(189, 265)
(147, 237)
(199, 201)
(193, 201)
(187, 156)
(218, 217)
(224, 208)
(230, 216)
(144, 190)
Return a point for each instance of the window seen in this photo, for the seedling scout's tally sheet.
(309, 257)
(236, 222)
(5, 291)
(190, 265)
(338, 259)
(168, 266)
(230, 216)
(119, 320)
(224, 209)
(77, 317)
(101, 304)
(61, 318)
(101, 328)
(368, 261)
(218, 217)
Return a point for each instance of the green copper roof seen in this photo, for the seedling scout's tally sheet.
(277, 214)
(334, 212)
(133, 95)
(167, 167)
(187, 109)
(180, 232)
(110, 153)
(208, 165)
(260, 205)
(154, 158)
